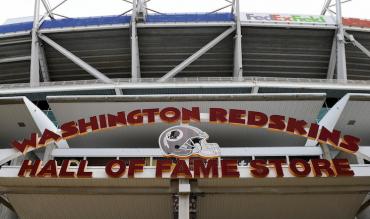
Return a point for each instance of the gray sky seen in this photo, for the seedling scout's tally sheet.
(85, 8)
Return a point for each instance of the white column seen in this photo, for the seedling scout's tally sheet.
(35, 68)
(341, 50)
(238, 57)
(184, 199)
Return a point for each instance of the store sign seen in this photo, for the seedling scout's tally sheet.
(184, 143)
(200, 168)
(173, 115)
(287, 18)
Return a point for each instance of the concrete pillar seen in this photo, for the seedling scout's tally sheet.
(184, 199)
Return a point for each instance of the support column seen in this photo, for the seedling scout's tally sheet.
(333, 58)
(238, 57)
(184, 199)
(341, 50)
(35, 68)
(43, 64)
(135, 63)
(255, 89)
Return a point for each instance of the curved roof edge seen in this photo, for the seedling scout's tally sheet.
(112, 20)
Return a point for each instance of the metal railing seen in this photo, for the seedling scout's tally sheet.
(192, 80)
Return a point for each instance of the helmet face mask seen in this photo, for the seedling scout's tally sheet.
(186, 141)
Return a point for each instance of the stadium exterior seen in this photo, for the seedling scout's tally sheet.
(278, 104)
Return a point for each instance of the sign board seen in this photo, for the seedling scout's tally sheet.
(356, 22)
(182, 142)
(286, 19)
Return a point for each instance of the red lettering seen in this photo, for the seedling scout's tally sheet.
(217, 115)
(278, 167)
(321, 165)
(299, 167)
(200, 170)
(296, 126)
(259, 168)
(277, 122)
(115, 120)
(257, 119)
(236, 116)
(181, 169)
(170, 114)
(120, 164)
(327, 136)
(103, 121)
(193, 114)
(313, 131)
(230, 168)
(151, 113)
(48, 136)
(342, 167)
(162, 166)
(28, 166)
(69, 130)
(349, 144)
(81, 173)
(135, 118)
(22, 147)
(135, 166)
(49, 169)
(84, 125)
(64, 170)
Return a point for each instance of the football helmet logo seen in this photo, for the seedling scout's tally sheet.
(187, 141)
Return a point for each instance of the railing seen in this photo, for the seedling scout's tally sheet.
(192, 80)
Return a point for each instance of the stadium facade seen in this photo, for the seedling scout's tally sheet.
(217, 115)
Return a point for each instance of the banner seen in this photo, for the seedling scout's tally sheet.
(287, 19)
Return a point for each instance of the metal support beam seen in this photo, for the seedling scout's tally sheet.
(118, 91)
(94, 72)
(357, 44)
(232, 5)
(184, 199)
(15, 59)
(325, 151)
(331, 118)
(341, 50)
(135, 61)
(6, 203)
(48, 9)
(35, 68)
(363, 207)
(238, 57)
(333, 58)
(141, 10)
(49, 12)
(43, 64)
(326, 7)
(255, 90)
(196, 55)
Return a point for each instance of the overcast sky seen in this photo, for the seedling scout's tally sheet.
(85, 8)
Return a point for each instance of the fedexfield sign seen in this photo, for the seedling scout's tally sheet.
(286, 18)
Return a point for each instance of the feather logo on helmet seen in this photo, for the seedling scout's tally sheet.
(187, 141)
